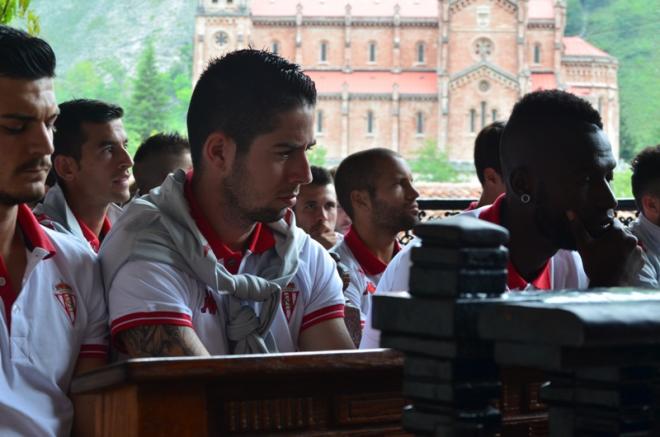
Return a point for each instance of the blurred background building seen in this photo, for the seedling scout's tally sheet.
(403, 73)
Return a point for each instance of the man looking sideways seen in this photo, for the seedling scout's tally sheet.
(92, 165)
(375, 188)
(212, 262)
(53, 321)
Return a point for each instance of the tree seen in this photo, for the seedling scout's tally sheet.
(317, 155)
(148, 108)
(11, 9)
(432, 165)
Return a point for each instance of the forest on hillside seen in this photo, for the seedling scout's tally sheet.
(139, 55)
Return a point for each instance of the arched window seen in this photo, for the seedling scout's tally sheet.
(372, 51)
(483, 114)
(473, 120)
(419, 123)
(319, 122)
(494, 112)
(537, 53)
(370, 122)
(275, 47)
(323, 54)
(421, 52)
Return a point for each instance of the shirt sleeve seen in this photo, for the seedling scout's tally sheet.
(145, 293)
(326, 299)
(95, 338)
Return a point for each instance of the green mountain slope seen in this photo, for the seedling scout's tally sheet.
(627, 29)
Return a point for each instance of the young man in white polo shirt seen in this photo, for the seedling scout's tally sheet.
(646, 189)
(559, 207)
(53, 321)
(212, 261)
(92, 165)
(375, 188)
(316, 208)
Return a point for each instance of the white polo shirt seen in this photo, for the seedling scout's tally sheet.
(563, 271)
(146, 293)
(58, 315)
(364, 269)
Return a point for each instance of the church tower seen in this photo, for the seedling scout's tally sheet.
(221, 26)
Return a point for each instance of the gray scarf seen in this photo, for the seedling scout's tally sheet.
(158, 228)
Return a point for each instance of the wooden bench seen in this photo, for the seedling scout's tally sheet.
(315, 394)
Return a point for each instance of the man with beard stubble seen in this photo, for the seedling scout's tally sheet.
(316, 208)
(91, 165)
(53, 320)
(375, 188)
(212, 262)
(557, 164)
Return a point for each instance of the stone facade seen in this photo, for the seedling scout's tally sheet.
(405, 73)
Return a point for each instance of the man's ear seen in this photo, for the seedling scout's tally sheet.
(360, 200)
(492, 178)
(651, 207)
(521, 182)
(66, 167)
(219, 152)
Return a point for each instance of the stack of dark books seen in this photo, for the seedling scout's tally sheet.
(450, 375)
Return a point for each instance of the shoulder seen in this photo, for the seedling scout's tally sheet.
(69, 247)
(396, 275)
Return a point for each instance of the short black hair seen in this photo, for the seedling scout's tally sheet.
(69, 138)
(487, 149)
(320, 176)
(23, 56)
(359, 171)
(241, 94)
(538, 114)
(646, 173)
(162, 143)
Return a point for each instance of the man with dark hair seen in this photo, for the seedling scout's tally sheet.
(158, 156)
(91, 166)
(215, 263)
(487, 164)
(316, 208)
(646, 189)
(53, 321)
(375, 188)
(557, 165)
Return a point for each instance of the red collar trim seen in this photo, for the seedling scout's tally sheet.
(367, 260)
(262, 238)
(514, 280)
(473, 205)
(91, 237)
(32, 231)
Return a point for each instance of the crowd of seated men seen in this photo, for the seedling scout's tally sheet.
(230, 244)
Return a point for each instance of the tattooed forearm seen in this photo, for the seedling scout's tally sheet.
(161, 341)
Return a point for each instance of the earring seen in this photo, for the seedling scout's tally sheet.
(525, 198)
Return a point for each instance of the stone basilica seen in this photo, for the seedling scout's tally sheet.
(403, 73)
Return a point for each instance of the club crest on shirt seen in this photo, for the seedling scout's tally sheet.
(67, 298)
(289, 300)
(370, 288)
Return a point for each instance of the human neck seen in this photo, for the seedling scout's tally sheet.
(89, 212)
(8, 229)
(232, 229)
(379, 241)
(487, 197)
(529, 251)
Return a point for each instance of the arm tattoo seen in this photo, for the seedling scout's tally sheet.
(160, 341)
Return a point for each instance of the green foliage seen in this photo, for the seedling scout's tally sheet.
(317, 156)
(626, 29)
(575, 18)
(19, 9)
(431, 164)
(621, 184)
(149, 105)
